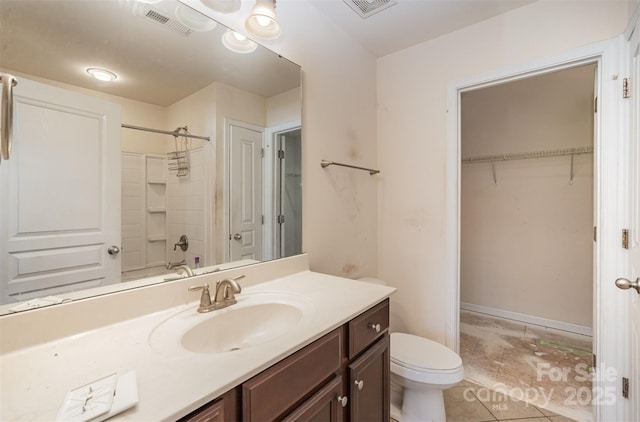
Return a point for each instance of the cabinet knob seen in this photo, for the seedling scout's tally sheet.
(359, 384)
(375, 327)
(343, 400)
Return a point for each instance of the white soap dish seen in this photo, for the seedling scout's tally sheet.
(101, 399)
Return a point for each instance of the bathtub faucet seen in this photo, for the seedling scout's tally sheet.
(172, 265)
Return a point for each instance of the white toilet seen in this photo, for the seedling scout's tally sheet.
(420, 370)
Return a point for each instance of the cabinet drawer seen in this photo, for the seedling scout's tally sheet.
(267, 396)
(363, 329)
(213, 412)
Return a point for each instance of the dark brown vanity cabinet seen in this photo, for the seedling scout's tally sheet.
(369, 384)
(343, 376)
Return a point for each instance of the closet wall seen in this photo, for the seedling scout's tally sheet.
(526, 240)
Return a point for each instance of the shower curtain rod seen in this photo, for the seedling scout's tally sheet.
(525, 155)
(167, 132)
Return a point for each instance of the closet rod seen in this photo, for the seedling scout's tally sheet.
(525, 155)
(326, 163)
(166, 132)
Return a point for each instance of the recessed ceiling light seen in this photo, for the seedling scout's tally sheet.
(237, 42)
(102, 74)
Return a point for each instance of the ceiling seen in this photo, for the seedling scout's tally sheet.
(156, 63)
(410, 22)
(41, 38)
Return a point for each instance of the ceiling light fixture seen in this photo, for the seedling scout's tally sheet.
(237, 42)
(102, 74)
(193, 19)
(222, 6)
(262, 21)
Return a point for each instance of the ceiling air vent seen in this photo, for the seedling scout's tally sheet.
(169, 23)
(366, 8)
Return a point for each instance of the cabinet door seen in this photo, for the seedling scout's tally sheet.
(369, 379)
(324, 406)
(275, 391)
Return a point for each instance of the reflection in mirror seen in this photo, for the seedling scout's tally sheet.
(178, 151)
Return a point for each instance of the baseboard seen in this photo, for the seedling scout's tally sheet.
(529, 319)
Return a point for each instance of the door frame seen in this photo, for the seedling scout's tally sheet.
(608, 207)
(269, 183)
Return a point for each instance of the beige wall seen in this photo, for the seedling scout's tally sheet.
(285, 107)
(339, 114)
(526, 240)
(412, 118)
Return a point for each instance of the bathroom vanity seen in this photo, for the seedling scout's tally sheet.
(342, 376)
(298, 345)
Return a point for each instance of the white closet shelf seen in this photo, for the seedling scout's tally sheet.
(525, 155)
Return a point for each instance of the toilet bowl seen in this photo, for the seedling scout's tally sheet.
(421, 369)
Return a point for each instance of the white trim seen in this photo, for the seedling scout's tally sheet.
(609, 203)
(529, 319)
(270, 169)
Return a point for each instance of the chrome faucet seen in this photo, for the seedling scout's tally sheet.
(226, 291)
(224, 295)
(182, 269)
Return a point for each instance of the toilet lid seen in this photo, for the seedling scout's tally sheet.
(419, 352)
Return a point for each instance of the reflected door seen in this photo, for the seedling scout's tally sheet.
(245, 212)
(59, 194)
(289, 193)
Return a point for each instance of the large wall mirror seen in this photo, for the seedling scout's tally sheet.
(180, 155)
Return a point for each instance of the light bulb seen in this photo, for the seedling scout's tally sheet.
(238, 36)
(263, 21)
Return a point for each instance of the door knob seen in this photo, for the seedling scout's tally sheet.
(343, 400)
(625, 284)
(359, 384)
(237, 236)
(113, 250)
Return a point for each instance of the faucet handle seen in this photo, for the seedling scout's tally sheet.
(205, 298)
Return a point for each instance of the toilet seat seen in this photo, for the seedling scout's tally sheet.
(423, 360)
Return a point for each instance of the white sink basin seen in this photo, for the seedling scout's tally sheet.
(251, 322)
(241, 328)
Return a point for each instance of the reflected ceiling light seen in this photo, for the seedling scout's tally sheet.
(262, 22)
(149, 1)
(193, 19)
(237, 42)
(102, 74)
(222, 6)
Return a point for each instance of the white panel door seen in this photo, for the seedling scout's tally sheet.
(245, 202)
(60, 194)
(633, 275)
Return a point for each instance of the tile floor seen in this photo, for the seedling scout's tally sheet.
(547, 369)
(470, 402)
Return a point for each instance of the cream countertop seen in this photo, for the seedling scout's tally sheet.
(171, 383)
